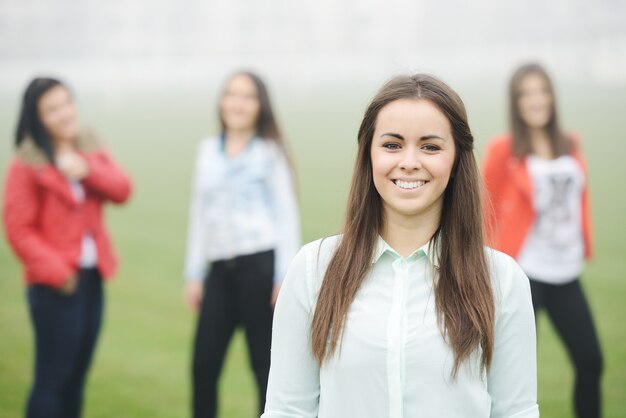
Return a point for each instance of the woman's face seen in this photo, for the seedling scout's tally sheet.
(412, 153)
(534, 101)
(57, 114)
(240, 105)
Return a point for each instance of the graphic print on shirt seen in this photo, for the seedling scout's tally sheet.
(554, 209)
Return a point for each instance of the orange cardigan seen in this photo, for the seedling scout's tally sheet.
(510, 213)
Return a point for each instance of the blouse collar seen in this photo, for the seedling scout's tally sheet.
(431, 250)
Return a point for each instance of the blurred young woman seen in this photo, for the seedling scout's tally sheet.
(243, 231)
(55, 190)
(537, 182)
(407, 313)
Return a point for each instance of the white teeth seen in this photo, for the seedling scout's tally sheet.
(409, 184)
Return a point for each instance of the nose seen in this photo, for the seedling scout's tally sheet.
(410, 160)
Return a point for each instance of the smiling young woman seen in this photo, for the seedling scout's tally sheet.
(406, 313)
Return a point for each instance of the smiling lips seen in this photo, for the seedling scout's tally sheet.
(409, 185)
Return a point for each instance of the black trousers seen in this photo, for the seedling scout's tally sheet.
(568, 310)
(236, 292)
(66, 331)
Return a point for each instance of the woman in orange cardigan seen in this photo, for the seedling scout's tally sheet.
(537, 183)
(55, 188)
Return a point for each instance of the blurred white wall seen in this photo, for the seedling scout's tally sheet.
(116, 45)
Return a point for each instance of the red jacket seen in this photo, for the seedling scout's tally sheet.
(509, 206)
(45, 224)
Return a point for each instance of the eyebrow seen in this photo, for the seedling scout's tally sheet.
(422, 138)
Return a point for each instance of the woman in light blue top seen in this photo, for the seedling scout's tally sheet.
(407, 314)
(243, 232)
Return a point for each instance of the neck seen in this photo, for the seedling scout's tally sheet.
(405, 234)
(540, 143)
(236, 140)
(240, 135)
(62, 144)
(538, 134)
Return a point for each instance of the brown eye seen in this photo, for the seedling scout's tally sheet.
(391, 145)
(431, 147)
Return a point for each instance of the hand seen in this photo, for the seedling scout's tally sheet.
(72, 165)
(275, 292)
(193, 294)
(69, 287)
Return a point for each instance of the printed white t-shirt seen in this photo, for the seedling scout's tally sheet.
(554, 249)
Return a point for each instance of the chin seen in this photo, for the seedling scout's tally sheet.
(539, 123)
(410, 212)
(71, 134)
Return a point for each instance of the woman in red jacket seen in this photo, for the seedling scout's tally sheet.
(538, 189)
(55, 188)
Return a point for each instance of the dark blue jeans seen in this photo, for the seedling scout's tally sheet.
(66, 330)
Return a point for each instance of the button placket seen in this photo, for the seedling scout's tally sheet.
(396, 328)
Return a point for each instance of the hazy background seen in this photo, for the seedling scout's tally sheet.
(147, 75)
(116, 45)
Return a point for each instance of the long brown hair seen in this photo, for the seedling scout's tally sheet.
(266, 125)
(559, 143)
(463, 294)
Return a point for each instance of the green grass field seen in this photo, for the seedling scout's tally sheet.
(141, 367)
